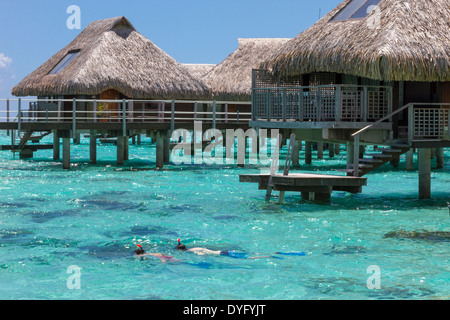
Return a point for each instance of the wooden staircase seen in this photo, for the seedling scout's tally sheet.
(392, 151)
(24, 139)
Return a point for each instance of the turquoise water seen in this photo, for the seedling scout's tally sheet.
(92, 217)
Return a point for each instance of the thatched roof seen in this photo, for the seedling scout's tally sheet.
(113, 55)
(398, 41)
(232, 79)
(199, 70)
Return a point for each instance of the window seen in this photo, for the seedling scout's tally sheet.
(356, 9)
(64, 62)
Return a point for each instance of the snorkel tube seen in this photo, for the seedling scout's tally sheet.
(139, 251)
(180, 246)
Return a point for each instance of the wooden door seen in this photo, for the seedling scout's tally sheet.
(112, 108)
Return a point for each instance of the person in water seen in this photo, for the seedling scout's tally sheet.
(204, 251)
(232, 254)
(140, 252)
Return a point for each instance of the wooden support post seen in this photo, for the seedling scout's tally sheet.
(331, 151)
(159, 150)
(66, 153)
(74, 118)
(350, 153)
(320, 150)
(92, 147)
(439, 158)
(56, 145)
(337, 149)
(424, 173)
(166, 147)
(77, 138)
(138, 139)
(308, 152)
(315, 196)
(120, 150)
(410, 160)
(296, 154)
(126, 148)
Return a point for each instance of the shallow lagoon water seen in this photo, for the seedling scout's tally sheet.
(93, 217)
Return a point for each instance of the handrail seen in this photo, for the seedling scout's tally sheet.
(125, 112)
(357, 134)
(322, 86)
(382, 119)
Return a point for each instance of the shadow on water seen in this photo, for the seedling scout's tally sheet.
(45, 216)
(433, 236)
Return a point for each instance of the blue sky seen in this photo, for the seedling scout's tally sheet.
(191, 31)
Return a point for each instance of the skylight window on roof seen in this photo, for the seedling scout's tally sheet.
(64, 62)
(356, 9)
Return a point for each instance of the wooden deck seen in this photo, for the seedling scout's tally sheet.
(312, 186)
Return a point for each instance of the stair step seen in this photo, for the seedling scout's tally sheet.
(382, 155)
(393, 150)
(367, 160)
(362, 165)
(398, 144)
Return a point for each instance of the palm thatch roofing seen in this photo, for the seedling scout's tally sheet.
(199, 70)
(401, 40)
(113, 55)
(232, 79)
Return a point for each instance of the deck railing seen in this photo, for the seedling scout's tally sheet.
(333, 103)
(123, 111)
(429, 121)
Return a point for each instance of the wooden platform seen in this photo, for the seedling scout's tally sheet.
(312, 186)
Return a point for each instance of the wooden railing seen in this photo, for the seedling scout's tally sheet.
(123, 111)
(328, 103)
(429, 121)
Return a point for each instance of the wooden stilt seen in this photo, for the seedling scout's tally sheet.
(320, 150)
(120, 150)
(56, 146)
(410, 160)
(331, 151)
(337, 149)
(295, 154)
(439, 158)
(424, 173)
(92, 147)
(66, 153)
(350, 153)
(166, 147)
(159, 150)
(126, 148)
(308, 152)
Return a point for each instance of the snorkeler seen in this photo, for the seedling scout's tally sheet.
(140, 252)
(204, 251)
(232, 254)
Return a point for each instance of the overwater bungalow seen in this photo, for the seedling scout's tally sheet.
(231, 80)
(110, 60)
(369, 72)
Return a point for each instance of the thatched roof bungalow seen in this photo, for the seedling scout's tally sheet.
(231, 80)
(403, 43)
(111, 57)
